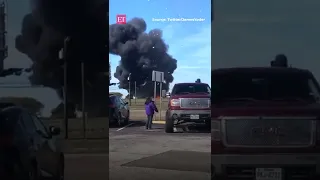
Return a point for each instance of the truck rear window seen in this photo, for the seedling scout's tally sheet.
(264, 86)
(191, 89)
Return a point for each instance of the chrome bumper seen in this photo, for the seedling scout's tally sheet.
(220, 162)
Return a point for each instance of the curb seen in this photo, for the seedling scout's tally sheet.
(159, 122)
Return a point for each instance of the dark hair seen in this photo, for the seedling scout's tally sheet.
(148, 100)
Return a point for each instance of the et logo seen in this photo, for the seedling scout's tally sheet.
(121, 19)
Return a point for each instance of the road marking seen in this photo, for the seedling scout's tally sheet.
(159, 122)
(125, 126)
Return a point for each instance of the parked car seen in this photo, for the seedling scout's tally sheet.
(27, 148)
(119, 111)
(265, 124)
(188, 102)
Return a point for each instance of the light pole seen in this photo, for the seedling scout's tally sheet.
(83, 100)
(3, 34)
(130, 89)
(65, 82)
(135, 92)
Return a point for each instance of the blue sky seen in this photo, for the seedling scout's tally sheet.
(189, 42)
(193, 62)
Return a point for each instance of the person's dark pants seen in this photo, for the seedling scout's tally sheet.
(149, 122)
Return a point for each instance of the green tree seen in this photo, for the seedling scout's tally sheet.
(33, 105)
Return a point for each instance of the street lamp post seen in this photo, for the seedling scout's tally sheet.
(83, 100)
(65, 82)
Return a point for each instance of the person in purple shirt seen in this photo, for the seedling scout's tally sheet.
(150, 109)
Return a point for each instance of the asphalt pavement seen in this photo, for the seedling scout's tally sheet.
(137, 154)
(134, 153)
(87, 166)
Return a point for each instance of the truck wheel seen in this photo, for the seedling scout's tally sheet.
(169, 125)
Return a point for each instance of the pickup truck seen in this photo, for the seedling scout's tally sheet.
(265, 124)
(188, 102)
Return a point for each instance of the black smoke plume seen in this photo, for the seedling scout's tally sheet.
(42, 36)
(140, 53)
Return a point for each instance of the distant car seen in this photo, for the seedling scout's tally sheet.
(27, 147)
(119, 111)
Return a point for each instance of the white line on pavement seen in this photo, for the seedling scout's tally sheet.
(125, 126)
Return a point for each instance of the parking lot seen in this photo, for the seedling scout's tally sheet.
(132, 152)
(136, 153)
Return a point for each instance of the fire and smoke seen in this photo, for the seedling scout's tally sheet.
(42, 36)
(140, 53)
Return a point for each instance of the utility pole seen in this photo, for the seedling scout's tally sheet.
(130, 89)
(161, 77)
(129, 93)
(3, 37)
(83, 101)
(65, 82)
(135, 92)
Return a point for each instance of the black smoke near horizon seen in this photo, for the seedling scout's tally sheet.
(42, 36)
(141, 52)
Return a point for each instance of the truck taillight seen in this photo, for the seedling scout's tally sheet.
(175, 102)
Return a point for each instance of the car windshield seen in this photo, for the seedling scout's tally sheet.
(191, 89)
(112, 99)
(264, 86)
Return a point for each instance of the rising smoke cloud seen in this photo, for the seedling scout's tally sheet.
(140, 53)
(42, 36)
